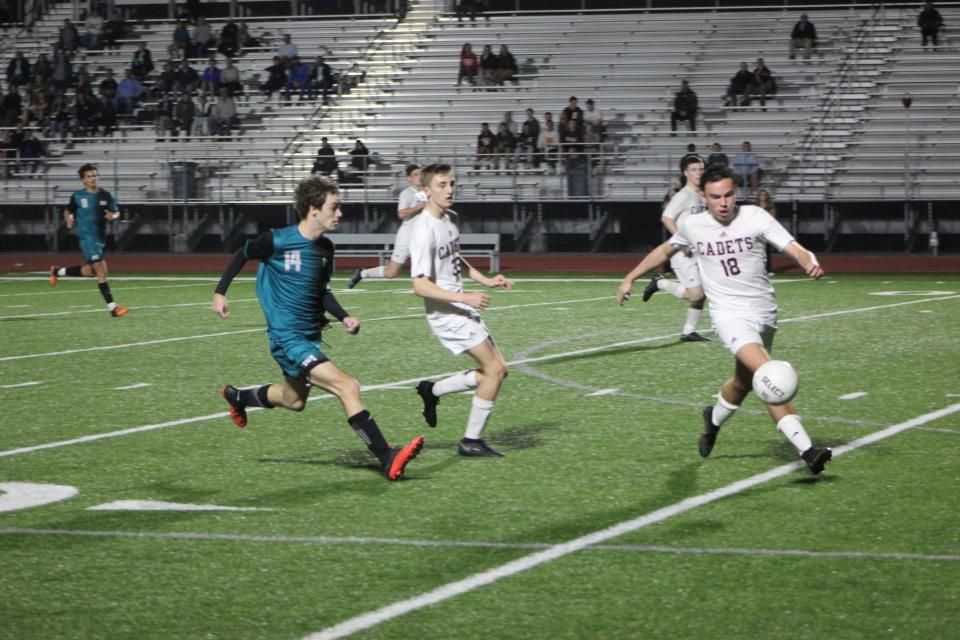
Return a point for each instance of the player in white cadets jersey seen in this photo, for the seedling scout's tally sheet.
(412, 201)
(686, 202)
(436, 265)
(729, 245)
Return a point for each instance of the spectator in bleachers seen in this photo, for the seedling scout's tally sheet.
(142, 63)
(94, 25)
(746, 165)
(504, 146)
(298, 79)
(31, 153)
(359, 157)
(223, 115)
(738, 85)
(17, 135)
(210, 80)
(511, 124)
(108, 86)
(204, 109)
(84, 84)
(322, 76)
(38, 107)
(129, 92)
(12, 105)
(591, 139)
(42, 67)
(202, 38)
(548, 142)
(163, 126)
(930, 22)
(571, 144)
(485, 142)
(593, 117)
(19, 70)
(804, 35)
(59, 120)
(488, 66)
(287, 51)
(230, 78)
(180, 41)
(244, 38)
(527, 147)
(62, 74)
(104, 117)
(186, 78)
(506, 66)
(166, 81)
(762, 83)
(685, 105)
(571, 112)
(533, 124)
(183, 116)
(229, 40)
(68, 39)
(326, 161)
(114, 29)
(468, 65)
(276, 77)
(83, 112)
(717, 156)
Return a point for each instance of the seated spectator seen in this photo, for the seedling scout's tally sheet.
(804, 35)
(717, 156)
(32, 153)
(69, 38)
(762, 83)
(166, 82)
(287, 51)
(321, 75)
(930, 22)
(223, 115)
(84, 84)
(527, 147)
(62, 74)
(276, 77)
(572, 112)
(129, 92)
(114, 29)
(59, 120)
(468, 65)
(508, 120)
(506, 66)
(186, 78)
(229, 40)
(685, 106)
(230, 78)
(298, 80)
(571, 142)
(38, 107)
(488, 66)
(83, 115)
(180, 42)
(142, 63)
(504, 146)
(549, 142)
(485, 143)
(202, 38)
(104, 117)
(326, 162)
(42, 67)
(359, 157)
(210, 80)
(244, 38)
(593, 117)
(19, 70)
(108, 86)
(94, 25)
(183, 116)
(204, 109)
(163, 126)
(746, 166)
(12, 106)
(534, 126)
(738, 85)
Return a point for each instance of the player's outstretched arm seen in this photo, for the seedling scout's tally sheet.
(651, 261)
(498, 280)
(806, 259)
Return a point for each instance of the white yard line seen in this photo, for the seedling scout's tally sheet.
(139, 385)
(19, 384)
(61, 291)
(557, 551)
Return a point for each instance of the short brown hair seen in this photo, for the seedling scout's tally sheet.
(312, 192)
(411, 168)
(435, 169)
(87, 167)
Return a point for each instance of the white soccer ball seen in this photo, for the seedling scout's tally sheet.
(775, 382)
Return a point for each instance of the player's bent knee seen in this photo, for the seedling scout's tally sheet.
(297, 404)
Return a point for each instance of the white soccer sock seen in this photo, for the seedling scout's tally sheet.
(673, 288)
(456, 382)
(479, 414)
(791, 427)
(693, 317)
(111, 306)
(722, 410)
(374, 273)
(62, 271)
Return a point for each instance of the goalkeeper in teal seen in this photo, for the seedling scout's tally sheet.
(293, 287)
(87, 212)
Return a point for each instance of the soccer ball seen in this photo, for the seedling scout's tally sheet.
(775, 382)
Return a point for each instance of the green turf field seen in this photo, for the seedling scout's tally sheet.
(599, 419)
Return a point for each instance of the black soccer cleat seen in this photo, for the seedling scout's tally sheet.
(651, 287)
(816, 459)
(400, 456)
(238, 410)
(477, 449)
(430, 402)
(709, 436)
(355, 278)
(693, 336)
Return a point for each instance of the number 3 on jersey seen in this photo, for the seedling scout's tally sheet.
(730, 267)
(291, 261)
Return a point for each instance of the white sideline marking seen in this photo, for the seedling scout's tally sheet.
(15, 496)
(478, 544)
(938, 430)
(146, 306)
(138, 385)
(459, 587)
(16, 306)
(20, 384)
(60, 290)
(156, 505)
(852, 396)
(953, 395)
(603, 392)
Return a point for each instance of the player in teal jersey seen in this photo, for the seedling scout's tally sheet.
(87, 212)
(293, 280)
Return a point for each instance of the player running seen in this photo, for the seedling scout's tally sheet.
(293, 287)
(88, 211)
(687, 201)
(412, 201)
(436, 265)
(729, 247)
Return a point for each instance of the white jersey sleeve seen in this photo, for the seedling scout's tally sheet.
(686, 200)
(435, 254)
(409, 197)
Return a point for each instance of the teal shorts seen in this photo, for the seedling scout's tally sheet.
(93, 248)
(295, 353)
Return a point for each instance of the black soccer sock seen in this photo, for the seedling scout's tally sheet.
(74, 272)
(255, 397)
(368, 431)
(105, 292)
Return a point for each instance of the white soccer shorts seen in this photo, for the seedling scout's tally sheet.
(401, 245)
(687, 270)
(735, 332)
(459, 333)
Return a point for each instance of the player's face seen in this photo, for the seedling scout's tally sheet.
(329, 214)
(721, 197)
(90, 179)
(693, 173)
(415, 178)
(440, 190)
